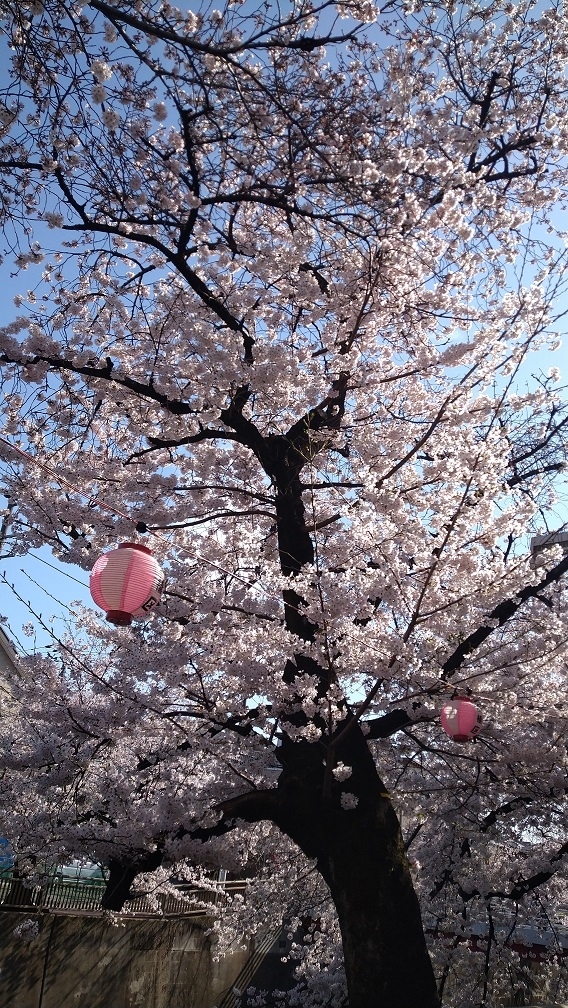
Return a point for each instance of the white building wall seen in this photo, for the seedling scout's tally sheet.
(8, 658)
(8, 663)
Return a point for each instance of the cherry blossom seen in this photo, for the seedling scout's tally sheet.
(289, 279)
(99, 95)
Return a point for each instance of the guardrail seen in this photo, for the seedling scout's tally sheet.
(68, 895)
(262, 946)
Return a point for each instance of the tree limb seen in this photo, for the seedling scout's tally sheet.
(499, 616)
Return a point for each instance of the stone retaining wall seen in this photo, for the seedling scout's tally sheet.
(85, 962)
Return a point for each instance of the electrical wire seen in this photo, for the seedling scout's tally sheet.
(58, 570)
(143, 528)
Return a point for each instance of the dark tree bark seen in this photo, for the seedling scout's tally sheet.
(122, 874)
(360, 854)
(359, 851)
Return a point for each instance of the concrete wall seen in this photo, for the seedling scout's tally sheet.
(7, 653)
(7, 664)
(85, 962)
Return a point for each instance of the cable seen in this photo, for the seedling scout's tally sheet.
(142, 527)
(120, 514)
(58, 569)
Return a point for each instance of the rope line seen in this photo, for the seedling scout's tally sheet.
(97, 502)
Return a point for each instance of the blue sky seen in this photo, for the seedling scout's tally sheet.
(48, 587)
(50, 590)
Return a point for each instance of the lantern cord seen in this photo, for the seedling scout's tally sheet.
(110, 509)
(59, 571)
(61, 479)
(96, 502)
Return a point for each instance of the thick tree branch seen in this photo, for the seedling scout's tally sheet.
(107, 373)
(499, 616)
(304, 44)
(177, 259)
(388, 724)
(251, 807)
(509, 806)
(122, 873)
(397, 719)
(158, 444)
(519, 888)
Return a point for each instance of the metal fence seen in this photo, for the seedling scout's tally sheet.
(71, 895)
(262, 946)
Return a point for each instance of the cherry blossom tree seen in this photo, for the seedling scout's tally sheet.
(289, 265)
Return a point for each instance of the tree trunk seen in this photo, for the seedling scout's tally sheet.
(359, 851)
(386, 960)
(360, 854)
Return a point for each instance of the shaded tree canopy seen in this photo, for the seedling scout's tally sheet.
(289, 266)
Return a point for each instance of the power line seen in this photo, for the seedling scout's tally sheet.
(143, 528)
(58, 569)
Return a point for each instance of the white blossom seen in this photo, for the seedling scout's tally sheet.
(27, 930)
(101, 71)
(342, 772)
(111, 119)
(98, 94)
(160, 111)
(54, 220)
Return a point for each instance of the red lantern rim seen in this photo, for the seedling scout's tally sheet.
(119, 617)
(136, 546)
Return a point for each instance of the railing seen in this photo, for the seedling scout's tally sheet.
(69, 895)
(263, 944)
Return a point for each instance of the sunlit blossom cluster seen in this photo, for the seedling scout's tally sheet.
(299, 288)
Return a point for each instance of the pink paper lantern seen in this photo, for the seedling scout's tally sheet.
(460, 719)
(127, 583)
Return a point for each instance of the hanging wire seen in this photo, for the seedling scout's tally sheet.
(139, 526)
(58, 569)
(143, 528)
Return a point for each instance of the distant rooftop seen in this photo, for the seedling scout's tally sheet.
(540, 544)
(7, 649)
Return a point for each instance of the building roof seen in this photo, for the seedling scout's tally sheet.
(7, 651)
(560, 538)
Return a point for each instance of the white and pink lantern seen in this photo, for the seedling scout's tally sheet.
(127, 583)
(460, 719)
